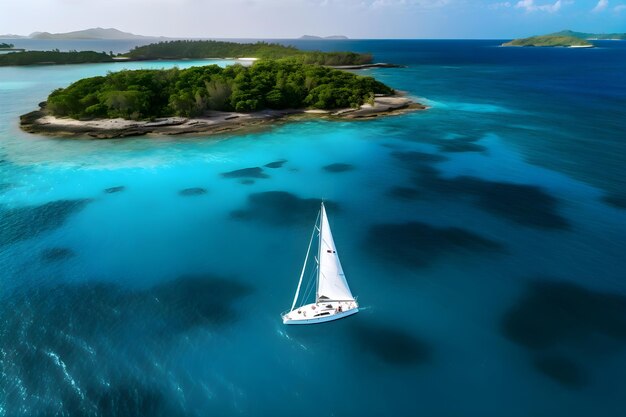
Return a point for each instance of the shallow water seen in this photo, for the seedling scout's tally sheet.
(146, 276)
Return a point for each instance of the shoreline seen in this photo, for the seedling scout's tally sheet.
(213, 122)
(365, 66)
(549, 46)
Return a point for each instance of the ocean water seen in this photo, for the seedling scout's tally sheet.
(484, 238)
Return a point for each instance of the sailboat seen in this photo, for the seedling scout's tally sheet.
(333, 298)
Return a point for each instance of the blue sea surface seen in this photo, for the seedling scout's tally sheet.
(484, 238)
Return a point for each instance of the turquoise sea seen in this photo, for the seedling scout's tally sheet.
(484, 237)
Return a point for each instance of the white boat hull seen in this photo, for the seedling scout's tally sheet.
(321, 312)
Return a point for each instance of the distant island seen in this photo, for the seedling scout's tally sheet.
(90, 34)
(317, 38)
(187, 49)
(175, 50)
(6, 46)
(551, 41)
(12, 36)
(565, 38)
(209, 99)
(54, 57)
(591, 36)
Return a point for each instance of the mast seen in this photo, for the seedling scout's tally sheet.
(306, 258)
(319, 252)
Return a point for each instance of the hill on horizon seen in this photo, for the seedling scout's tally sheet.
(587, 36)
(314, 37)
(92, 33)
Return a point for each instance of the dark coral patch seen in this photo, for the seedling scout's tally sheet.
(276, 164)
(246, 181)
(404, 193)
(417, 244)
(414, 157)
(116, 189)
(552, 314)
(524, 204)
(527, 205)
(256, 172)
(192, 191)
(27, 222)
(280, 208)
(81, 330)
(338, 167)
(615, 200)
(461, 145)
(562, 370)
(193, 301)
(129, 399)
(6, 186)
(56, 254)
(391, 345)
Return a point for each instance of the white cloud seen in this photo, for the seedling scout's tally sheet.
(382, 3)
(419, 3)
(619, 8)
(530, 6)
(501, 5)
(602, 5)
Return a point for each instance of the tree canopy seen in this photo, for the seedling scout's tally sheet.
(549, 40)
(6, 45)
(53, 57)
(185, 49)
(274, 84)
(188, 50)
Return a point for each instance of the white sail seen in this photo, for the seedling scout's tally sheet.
(331, 282)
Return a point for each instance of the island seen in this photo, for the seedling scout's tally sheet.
(54, 57)
(566, 38)
(210, 99)
(592, 36)
(322, 38)
(188, 49)
(90, 34)
(6, 46)
(85, 34)
(12, 36)
(193, 49)
(551, 41)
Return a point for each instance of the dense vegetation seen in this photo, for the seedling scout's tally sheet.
(549, 40)
(262, 50)
(147, 94)
(6, 45)
(53, 57)
(190, 50)
(583, 35)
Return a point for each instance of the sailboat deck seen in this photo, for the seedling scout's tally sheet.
(321, 312)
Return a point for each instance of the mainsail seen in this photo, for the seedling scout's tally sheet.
(331, 282)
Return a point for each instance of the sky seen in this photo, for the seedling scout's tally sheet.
(494, 19)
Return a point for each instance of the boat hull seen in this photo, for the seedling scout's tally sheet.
(320, 312)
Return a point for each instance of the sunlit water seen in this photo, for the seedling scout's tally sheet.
(485, 240)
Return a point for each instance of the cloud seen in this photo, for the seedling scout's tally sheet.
(619, 8)
(602, 5)
(501, 5)
(530, 6)
(382, 3)
(428, 4)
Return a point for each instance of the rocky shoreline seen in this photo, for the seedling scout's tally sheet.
(366, 66)
(42, 122)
